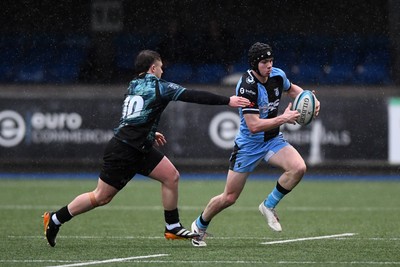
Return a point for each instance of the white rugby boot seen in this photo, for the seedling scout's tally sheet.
(199, 240)
(271, 217)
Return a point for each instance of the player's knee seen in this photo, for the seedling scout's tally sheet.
(174, 177)
(105, 201)
(102, 200)
(230, 199)
(177, 175)
(299, 169)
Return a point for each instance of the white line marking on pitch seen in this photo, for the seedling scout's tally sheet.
(111, 260)
(307, 238)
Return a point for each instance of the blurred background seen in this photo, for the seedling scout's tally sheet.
(65, 66)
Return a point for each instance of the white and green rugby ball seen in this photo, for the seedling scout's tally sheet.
(305, 104)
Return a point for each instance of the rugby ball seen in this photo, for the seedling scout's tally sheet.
(305, 103)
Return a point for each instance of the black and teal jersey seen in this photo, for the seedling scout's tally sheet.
(145, 100)
(265, 100)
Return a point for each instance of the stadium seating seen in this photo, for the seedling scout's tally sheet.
(178, 72)
(9, 56)
(316, 59)
(208, 74)
(66, 69)
(128, 45)
(42, 58)
(374, 67)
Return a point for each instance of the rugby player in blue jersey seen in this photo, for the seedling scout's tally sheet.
(132, 150)
(259, 138)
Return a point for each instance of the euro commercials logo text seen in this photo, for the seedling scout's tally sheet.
(12, 128)
(47, 127)
(223, 129)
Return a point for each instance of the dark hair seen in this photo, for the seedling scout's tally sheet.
(145, 59)
(258, 52)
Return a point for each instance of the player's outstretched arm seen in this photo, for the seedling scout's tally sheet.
(238, 101)
(207, 98)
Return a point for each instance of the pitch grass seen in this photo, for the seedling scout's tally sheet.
(132, 225)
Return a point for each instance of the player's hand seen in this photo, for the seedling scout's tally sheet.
(289, 115)
(160, 139)
(238, 101)
(317, 105)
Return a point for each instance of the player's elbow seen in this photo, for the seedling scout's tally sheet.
(254, 123)
(253, 128)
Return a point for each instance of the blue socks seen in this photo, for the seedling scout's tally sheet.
(275, 196)
(201, 223)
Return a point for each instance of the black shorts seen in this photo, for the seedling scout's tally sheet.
(121, 162)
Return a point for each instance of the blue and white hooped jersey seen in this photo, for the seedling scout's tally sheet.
(264, 99)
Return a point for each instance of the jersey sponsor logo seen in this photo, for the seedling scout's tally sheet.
(243, 91)
(173, 86)
(250, 92)
(270, 107)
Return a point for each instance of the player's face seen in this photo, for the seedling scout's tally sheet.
(265, 66)
(157, 68)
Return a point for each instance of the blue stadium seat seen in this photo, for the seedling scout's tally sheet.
(342, 66)
(126, 48)
(72, 52)
(30, 73)
(375, 65)
(128, 45)
(338, 74)
(66, 73)
(11, 48)
(373, 74)
(45, 58)
(67, 67)
(178, 73)
(310, 73)
(209, 73)
(6, 73)
(240, 67)
(8, 55)
(285, 59)
(31, 68)
(374, 68)
(311, 65)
